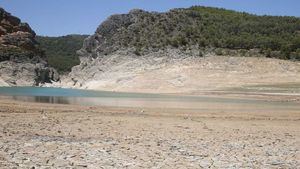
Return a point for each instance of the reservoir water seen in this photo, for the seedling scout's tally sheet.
(103, 98)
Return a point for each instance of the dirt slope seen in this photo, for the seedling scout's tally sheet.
(179, 75)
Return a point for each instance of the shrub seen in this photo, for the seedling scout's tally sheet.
(218, 51)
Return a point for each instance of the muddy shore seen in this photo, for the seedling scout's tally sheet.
(36, 135)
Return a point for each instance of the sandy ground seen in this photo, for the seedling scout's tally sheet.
(35, 135)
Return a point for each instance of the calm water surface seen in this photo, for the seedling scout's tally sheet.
(103, 98)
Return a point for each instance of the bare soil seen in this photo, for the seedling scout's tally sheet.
(69, 136)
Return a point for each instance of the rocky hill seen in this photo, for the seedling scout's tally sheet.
(21, 60)
(187, 50)
(196, 28)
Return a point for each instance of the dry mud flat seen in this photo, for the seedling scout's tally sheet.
(36, 135)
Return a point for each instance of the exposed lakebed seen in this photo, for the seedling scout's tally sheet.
(104, 98)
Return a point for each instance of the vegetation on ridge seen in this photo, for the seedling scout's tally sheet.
(61, 51)
(274, 36)
(201, 27)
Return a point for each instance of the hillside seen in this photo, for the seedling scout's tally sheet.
(197, 28)
(61, 51)
(21, 59)
(17, 39)
(188, 51)
(173, 73)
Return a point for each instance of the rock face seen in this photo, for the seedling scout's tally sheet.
(147, 52)
(200, 27)
(174, 71)
(21, 60)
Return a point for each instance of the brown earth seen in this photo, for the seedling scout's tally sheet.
(68, 136)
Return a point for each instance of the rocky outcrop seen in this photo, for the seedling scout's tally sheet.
(201, 27)
(178, 51)
(174, 71)
(21, 60)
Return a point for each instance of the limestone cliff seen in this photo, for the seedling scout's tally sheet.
(21, 60)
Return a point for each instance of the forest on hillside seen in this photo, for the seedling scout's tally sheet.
(200, 27)
(274, 36)
(61, 51)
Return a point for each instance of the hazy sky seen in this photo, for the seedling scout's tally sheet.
(62, 17)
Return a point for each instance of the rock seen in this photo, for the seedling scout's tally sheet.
(21, 60)
(276, 163)
(153, 52)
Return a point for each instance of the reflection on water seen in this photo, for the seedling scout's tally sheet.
(42, 99)
(96, 98)
(211, 104)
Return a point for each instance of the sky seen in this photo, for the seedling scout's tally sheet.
(62, 17)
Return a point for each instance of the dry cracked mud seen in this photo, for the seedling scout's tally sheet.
(34, 135)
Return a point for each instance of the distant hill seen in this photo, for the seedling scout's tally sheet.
(61, 51)
(197, 27)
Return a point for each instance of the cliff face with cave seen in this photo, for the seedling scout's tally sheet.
(22, 63)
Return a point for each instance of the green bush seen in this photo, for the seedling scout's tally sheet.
(295, 55)
(218, 51)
